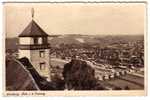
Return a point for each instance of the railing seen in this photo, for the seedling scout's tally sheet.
(34, 47)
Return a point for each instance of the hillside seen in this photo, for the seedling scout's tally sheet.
(93, 39)
(11, 43)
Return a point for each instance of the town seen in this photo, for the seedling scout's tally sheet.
(109, 62)
(114, 62)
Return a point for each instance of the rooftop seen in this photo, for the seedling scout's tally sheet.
(33, 30)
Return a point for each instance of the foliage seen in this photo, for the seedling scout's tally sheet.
(78, 75)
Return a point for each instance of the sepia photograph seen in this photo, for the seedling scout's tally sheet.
(73, 47)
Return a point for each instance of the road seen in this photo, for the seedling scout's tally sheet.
(132, 81)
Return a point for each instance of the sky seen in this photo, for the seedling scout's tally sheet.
(77, 18)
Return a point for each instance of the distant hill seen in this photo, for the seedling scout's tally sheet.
(73, 39)
(93, 39)
(11, 43)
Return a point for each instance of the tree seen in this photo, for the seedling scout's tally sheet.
(78, 75)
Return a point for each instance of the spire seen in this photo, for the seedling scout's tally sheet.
(32, 12)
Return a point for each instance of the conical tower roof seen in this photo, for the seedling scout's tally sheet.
(33, 30)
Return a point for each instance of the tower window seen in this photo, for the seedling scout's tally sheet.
(40, 40)
(42, 54)
(44, 40)
(42, 66)
(35, 40)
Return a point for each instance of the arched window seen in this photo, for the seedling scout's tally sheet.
(39, 40)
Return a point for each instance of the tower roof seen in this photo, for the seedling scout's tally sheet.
(33, 30)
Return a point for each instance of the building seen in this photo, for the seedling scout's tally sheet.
(33, 44)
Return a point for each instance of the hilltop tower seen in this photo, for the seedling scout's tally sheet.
(33, 44)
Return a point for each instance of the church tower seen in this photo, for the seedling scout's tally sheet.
(33, 44)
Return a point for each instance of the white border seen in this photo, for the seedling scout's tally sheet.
(1, 53)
